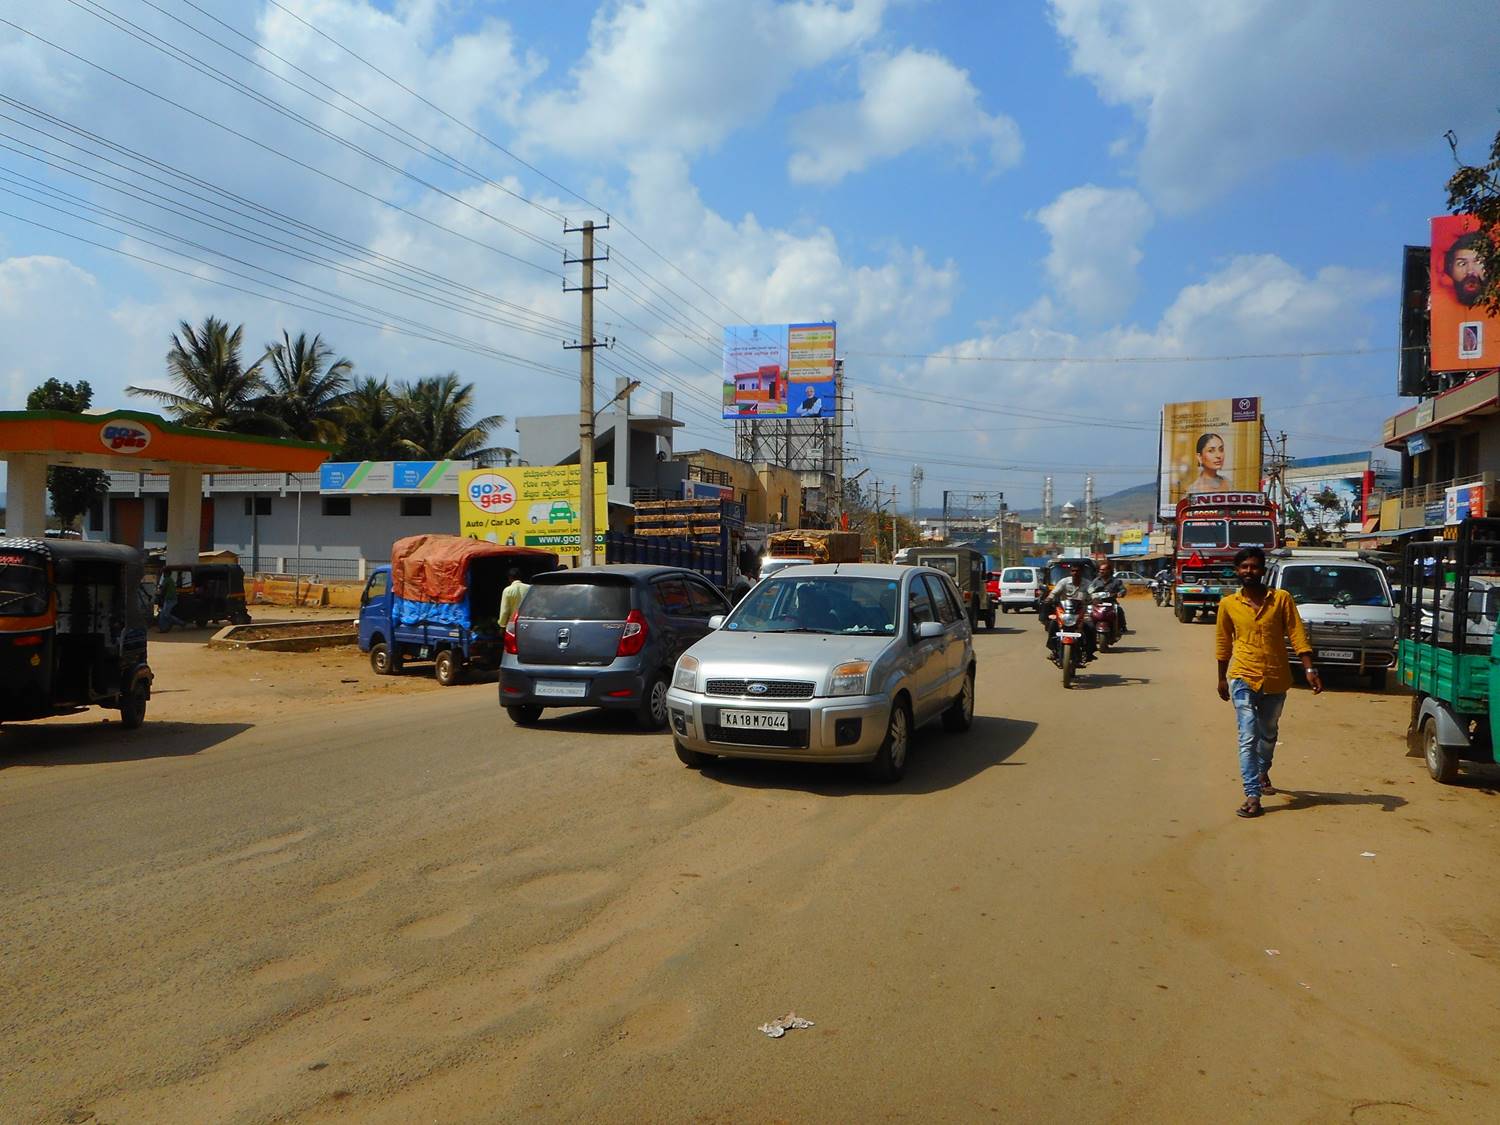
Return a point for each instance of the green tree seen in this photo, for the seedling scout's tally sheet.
(306, 387)
(1475, 190)
(212, 388)
(436, 419)
(369, 422)
(73, 490)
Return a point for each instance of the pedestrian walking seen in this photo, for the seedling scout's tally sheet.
(1255, 626)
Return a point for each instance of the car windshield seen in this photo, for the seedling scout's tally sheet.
(23, 585)
(1336, 585)
(1204, 533)
(823, 603)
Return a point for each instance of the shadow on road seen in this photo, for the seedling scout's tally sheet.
(997, 631)
(1128, 649)
(77, 744)
(593, 719)
(1312, 798)
(938, 761)
(1088, 681)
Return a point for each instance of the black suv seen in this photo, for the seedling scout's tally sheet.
(604, 636)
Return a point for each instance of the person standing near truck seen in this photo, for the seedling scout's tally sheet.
(1255, 626)
(510, 599)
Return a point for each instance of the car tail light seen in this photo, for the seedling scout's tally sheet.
(510, 636)
(33, 639)
(633, 638)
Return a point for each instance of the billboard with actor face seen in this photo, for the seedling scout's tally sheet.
(1465, 336)
(1211, 446)
(780, 371)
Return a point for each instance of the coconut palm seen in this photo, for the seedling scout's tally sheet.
(369, 421)
(436, 423)
(212, 388)
(306, 387)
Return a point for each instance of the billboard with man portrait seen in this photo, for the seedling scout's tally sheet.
(1465, 336)
(1211, 446)
(780, 371)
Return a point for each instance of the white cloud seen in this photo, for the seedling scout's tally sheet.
(683, 74)
(1096, 234)
(1226, 90)
(907, 100)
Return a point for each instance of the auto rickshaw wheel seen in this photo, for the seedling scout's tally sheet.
(133, 703)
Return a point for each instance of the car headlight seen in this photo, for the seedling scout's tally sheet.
(849, 678)
(686, 676)
(1382, 632)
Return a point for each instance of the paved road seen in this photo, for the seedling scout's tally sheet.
(406, 909)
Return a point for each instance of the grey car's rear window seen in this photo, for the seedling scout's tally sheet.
(577, 601)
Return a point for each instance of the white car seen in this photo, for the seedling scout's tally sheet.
(1020, 587)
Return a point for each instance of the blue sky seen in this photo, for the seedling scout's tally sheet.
(1077, 184)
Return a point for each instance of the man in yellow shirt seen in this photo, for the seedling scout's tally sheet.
(1254, 627)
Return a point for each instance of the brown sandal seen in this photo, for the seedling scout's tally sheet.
(1251, 808)
(1266, 788)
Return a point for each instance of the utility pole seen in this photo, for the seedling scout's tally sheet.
(585, 345)
(895, 489)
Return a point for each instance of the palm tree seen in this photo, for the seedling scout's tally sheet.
(435, 419)
(213, 388)
(306, 387)
(370, 421)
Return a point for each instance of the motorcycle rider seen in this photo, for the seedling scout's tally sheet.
(1109, 585)
(1074, 588)
(1163, 584)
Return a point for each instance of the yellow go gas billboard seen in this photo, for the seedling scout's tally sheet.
(531, 506)
(1211, 446)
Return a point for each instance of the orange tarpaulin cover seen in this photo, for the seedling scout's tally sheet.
(435, 568)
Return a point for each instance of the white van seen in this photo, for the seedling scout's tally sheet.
(1347, 608)
(1019, 586)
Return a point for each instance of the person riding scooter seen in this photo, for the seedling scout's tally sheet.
(1109, 585)
(1073, 588)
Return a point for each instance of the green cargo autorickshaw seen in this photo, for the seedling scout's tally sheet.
(1447, 656)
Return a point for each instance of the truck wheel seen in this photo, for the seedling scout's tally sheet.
(523, 714)
(989, 620)
(1184, 614)
(449, 668)
(1442, 762)
(693, 759)
(380, 659)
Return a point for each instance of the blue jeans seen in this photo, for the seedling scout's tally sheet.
(1259, 715)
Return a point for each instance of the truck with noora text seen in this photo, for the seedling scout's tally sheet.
(1212, 527)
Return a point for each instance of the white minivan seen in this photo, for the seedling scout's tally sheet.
(1346, 605)
(1021, 587)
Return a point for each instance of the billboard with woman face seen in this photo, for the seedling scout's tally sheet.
(1211, 446)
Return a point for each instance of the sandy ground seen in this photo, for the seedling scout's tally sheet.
(317, 901)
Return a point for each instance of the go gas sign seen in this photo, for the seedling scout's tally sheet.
(123, 436)
(491, 493)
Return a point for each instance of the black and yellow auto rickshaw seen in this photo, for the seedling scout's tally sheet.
(73, 623)
(200, 593)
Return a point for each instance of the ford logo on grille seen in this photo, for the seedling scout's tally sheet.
(757, 689)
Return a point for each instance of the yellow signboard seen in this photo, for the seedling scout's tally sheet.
(533, 506)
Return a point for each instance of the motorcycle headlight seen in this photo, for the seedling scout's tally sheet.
(849, 678)
(686, 676)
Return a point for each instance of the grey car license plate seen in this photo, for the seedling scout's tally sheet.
(754, 720)
(560, 689)
(1335, 654)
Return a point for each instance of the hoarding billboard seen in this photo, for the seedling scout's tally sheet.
(1210, 446)
(384, 477)
(780, 370)
(535, 506)
(1465, 337)
(1333, 503)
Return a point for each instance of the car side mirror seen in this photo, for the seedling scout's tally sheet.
(716, 621)
(927, 630)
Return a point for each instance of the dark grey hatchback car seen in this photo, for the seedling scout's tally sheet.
(603, 636)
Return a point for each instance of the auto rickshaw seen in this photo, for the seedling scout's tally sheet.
(204, 592)
(73, 623)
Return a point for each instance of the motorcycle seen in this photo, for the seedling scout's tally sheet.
(1162, 591)
(1069, 642)
(1105, 615)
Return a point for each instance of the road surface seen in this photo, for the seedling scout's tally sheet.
(403, 908)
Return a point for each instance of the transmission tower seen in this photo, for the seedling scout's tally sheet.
(917, 476)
